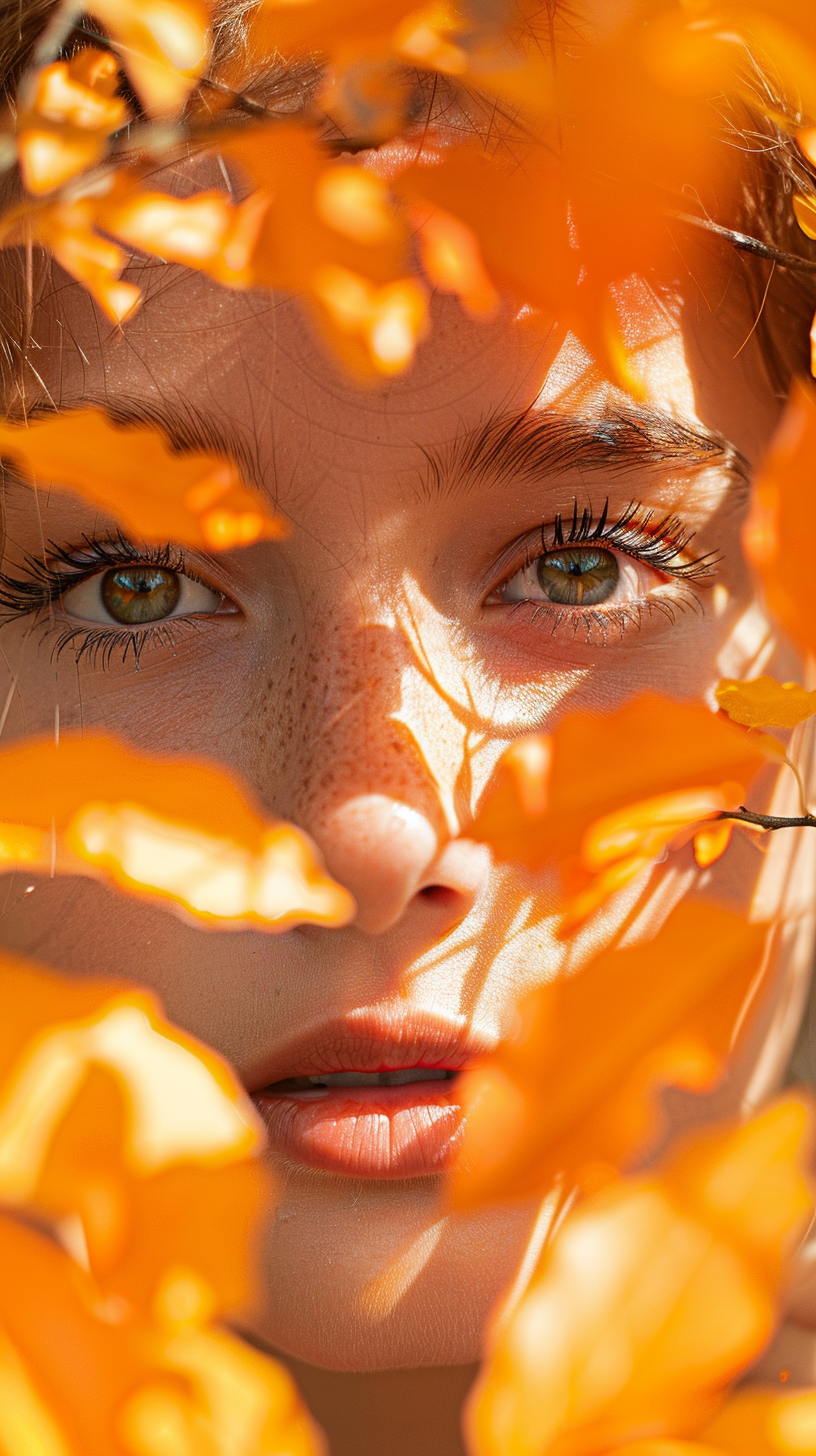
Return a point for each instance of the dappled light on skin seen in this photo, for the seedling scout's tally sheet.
(651, 1298)
(598, 816)
(131, 473)
(130, 1196)
(575, 1088)
(174, 830)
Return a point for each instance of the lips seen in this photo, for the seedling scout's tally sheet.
(374, 1095)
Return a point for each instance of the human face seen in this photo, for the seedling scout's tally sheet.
(364, 675)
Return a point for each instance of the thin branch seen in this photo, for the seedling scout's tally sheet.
(768, 821)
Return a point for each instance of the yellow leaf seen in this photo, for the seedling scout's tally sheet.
(764, 702)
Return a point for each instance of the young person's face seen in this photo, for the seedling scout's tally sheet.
(364, 676)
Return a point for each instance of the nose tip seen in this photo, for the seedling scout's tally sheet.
(386, 853)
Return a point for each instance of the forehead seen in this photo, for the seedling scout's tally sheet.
(249, 372)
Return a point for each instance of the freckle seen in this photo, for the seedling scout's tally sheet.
(784, 1375)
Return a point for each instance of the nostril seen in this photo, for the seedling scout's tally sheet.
(440, 894)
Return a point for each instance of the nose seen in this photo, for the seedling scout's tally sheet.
(389, 855)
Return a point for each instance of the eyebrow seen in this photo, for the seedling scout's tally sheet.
(531, 444)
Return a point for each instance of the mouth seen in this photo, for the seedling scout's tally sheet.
(382, 1104)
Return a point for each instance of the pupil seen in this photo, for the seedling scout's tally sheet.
(140, 593)
(579, 577)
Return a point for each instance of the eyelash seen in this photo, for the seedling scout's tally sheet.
(47, 580)
(638, 532)
(657, 543)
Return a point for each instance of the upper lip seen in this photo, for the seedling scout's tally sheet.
(374, 1040)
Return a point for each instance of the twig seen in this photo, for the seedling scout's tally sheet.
(768, 821)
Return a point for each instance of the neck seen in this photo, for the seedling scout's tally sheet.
(387, 1412)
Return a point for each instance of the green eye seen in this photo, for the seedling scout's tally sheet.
(140, 593)
(577, 578)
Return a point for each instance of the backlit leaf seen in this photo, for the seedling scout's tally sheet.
(761, 1422)
(164, 46)
(651, 1298)
(601, 797)
(131, 1202)
(132, 474)
(763, 702)
(576, 1085)
(170, 829)
(73, 111)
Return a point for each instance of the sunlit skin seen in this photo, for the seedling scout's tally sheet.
(364, 676)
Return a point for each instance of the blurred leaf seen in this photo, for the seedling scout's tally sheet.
(576, 1085)
(164, 47)
(131, 1201)
(765, 1422)
(131, 473)
(782, 521)
(172, 829)
(73, 110)
(651, 1298)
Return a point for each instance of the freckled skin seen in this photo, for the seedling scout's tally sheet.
(364, 668)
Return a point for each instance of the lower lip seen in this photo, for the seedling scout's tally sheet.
(409, 1131)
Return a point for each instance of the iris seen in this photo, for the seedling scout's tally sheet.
(140, 593)
(577, 578)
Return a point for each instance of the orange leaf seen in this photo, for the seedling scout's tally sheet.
(73, 111)
(132, 1146)
(164, 47)
(783, 520)
(132, 473)
(614, 791)
(173, 829)
(652, 1296)
(763, 702)
(577, 1082)
(67, 229)
(711, 844)
(762, 1422)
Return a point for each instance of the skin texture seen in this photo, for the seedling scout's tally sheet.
(363, 668)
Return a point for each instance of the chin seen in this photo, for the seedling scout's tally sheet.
(362, 1277)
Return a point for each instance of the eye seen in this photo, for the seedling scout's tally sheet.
(581, 576)
(133, 595)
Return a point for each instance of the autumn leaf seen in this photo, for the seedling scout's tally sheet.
(170, 829)
(67, 229)
(765, 1422)
(763, 702)
(783, 518)
(131, 1196)
(575, 1086)
(73, 110)
(601, 797)
(650, 1299)
(131, 473)
(164, 46)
